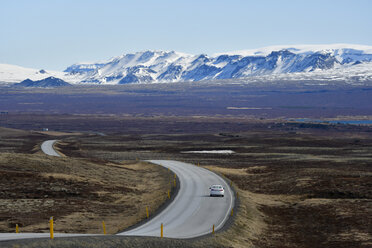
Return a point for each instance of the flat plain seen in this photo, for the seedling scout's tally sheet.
(310, 99)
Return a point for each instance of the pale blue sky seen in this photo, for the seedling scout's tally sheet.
(53, 34)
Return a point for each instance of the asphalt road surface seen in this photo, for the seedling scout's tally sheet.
(47, 148)
(193, 212)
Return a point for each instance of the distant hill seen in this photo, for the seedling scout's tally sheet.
(49, 82)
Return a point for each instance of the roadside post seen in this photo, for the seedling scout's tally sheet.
(104, 227)
(232, 211)
(161, 230)
(51, 228)
(168, 194)
(213, 229)
(147, 212)
(17, 229)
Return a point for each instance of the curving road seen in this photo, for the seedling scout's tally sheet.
(191, 214)
(47, 148)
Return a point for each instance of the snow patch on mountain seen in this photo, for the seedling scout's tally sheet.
(170, 66)
(302, 49)
(14, 74)
(297, 62)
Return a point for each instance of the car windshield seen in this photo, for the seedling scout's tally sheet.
(216, 187)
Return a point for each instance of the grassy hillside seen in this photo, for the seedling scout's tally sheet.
(79, 193)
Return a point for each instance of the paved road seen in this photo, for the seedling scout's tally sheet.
(193, 212)
(47, 148)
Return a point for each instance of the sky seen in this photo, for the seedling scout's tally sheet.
(52, 35)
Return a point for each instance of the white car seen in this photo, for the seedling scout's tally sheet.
(217, 190)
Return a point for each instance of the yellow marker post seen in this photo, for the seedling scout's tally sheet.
(213, 229)
(104, 227)
(161, 230)
(230, 183)
(168, 194)
(237, 194)
(17, 229)
(175, 176)
(232, 212)
(147, 212)
(51, 228)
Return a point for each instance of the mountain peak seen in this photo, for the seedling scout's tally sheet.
(169, 66)
(333, 61)
(49, 82)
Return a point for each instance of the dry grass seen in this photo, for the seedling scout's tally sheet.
(10, 132)
(300, 185)
(55, 133)
(79, 193)
(287, 220)
(250, 223)
(228, 171)
(298, 189)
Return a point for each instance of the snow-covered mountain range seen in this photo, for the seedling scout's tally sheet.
(328, 62)
(10, 74)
